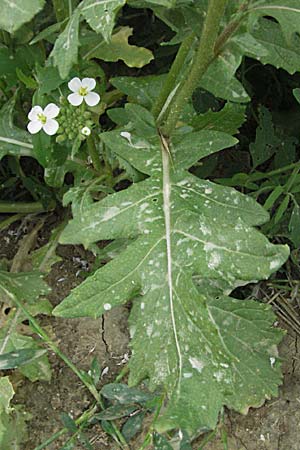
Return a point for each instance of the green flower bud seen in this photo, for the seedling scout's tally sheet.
(63, 100)
(71, 136)
(87, 115)
(61, 138)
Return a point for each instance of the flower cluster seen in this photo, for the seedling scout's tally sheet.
(73, 122)
(70, 122)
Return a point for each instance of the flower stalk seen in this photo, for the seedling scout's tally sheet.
(24, 207)
(203, 57)
(94, 154)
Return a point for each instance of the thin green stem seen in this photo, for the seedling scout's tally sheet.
(83, 418)
(272, 173)
(231, 28)
(204, 56)
(207, 439)
(24, 207)
(70, 8)
(81, 375)
(172, 76)
(148, 437)
(94, 154)
(11, 219)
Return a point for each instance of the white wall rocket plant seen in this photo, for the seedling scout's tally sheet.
(70, 122)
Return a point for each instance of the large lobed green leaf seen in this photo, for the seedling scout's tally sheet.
(193, 243)
(15, 13)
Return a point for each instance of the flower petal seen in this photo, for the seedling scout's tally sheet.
(89, 83)
(92, 98)
(33, 113)
(75, 84)
(51, 111)
(75, 99)
(51, 127)
(34, 126)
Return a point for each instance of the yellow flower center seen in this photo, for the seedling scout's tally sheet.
(42, 118)
(83, 91)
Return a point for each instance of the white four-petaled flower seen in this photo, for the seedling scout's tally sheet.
(86, 131)
(43, 118)
(82, 91)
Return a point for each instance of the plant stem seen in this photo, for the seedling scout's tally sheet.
(23, 207)
(80, 374)
(94, 154)
(204, 56)
(148, 437)
(230, 28)
(272, 173)
(83, 418)
(11, 219)
(177, 65)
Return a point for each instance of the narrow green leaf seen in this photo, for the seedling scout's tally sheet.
(18, 358)
(68, 422)
(29, 82)
(133, 425)
(294, 226)
(95, 370)
(125, 395)
(101, 14)
(271, 199)
(115, 412)
(48, 32)
(65, 51)
(282, 209)
(15, 13)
